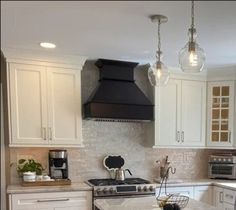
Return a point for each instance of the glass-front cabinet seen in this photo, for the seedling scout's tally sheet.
(221, 98)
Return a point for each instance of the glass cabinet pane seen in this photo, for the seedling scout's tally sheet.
(215, 136)
(215, 125)
(216, 102)
(216, 91)
(224, 114)
(225, 91)
(224, 136)
(215, 114)
(224, 125)
(224, 102)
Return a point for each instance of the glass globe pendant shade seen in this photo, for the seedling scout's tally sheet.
(192, 59)
(158, 74)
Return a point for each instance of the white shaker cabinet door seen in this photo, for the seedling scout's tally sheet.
(27, 104)
(203, 194)
(167, 114)
(218, 197)
(193, 113)
(64, 107)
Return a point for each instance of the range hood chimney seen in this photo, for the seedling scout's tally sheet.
(117, 97)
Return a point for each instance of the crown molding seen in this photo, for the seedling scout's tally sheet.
(47, 58)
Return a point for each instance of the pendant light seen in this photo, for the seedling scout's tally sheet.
(192, 57)
(158, 73)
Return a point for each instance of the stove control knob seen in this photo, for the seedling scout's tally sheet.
(111, 190)
(98, 191)
(151, 188)
(139, 189)
(145, 188)
(105, 190)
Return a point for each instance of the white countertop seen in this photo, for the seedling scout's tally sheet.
(144, 203)
(75, 186)
(81, 186)
(229, 184)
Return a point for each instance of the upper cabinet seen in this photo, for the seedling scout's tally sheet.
(180, 114)
(221, 98)
(44, 105)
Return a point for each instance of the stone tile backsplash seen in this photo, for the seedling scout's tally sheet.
(126, 139)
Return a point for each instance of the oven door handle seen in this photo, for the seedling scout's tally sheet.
(222, 164)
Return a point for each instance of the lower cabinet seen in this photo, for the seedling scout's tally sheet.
(218, 197)
(199, 193)
(81, 200)
(224, 198)
(203, 194)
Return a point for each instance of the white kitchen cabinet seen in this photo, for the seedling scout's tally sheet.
(224, 198)
(187, 191)
(45, 106)
(180, 114)
(203, 194)
(221, 98)
(218, 197)
(81, 200)
(229, 206)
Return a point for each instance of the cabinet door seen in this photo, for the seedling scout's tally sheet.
(203, 194)
(27, 104)
(52, 201)
(64, 107)
(229, 206)
(193, 113)
(187, 191)
(218, 197)
(167, 110)
(220, 113)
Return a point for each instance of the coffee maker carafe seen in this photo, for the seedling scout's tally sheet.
(58, 164)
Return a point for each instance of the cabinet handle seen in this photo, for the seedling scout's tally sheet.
(53, 200)
(182, 136)
(230, 196)
(178, 136)
(44, 133)
(50, 133)
(221, 197)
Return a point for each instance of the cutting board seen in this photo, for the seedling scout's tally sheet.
(47, 183)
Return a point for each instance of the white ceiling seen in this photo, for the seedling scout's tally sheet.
(121, 29)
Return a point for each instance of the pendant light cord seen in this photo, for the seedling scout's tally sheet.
(192, 14)
(159, 41)
(192, 19)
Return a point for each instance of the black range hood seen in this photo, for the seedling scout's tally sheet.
(117, 97)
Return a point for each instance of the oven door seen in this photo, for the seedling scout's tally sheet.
(118, 197)
(227, 171)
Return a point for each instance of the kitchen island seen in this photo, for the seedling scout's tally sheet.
(144, 203)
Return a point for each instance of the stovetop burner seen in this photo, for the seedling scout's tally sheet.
(109, 182)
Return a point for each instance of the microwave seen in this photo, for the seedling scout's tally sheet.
(222, 167)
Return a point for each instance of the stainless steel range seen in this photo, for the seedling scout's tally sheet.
(130, 187)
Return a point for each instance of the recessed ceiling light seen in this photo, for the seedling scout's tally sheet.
(47, 45)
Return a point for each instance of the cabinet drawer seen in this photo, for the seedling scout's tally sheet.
(229, 196)
(229, 206)
(82, 199)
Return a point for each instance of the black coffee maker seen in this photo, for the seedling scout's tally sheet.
(58, 164)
